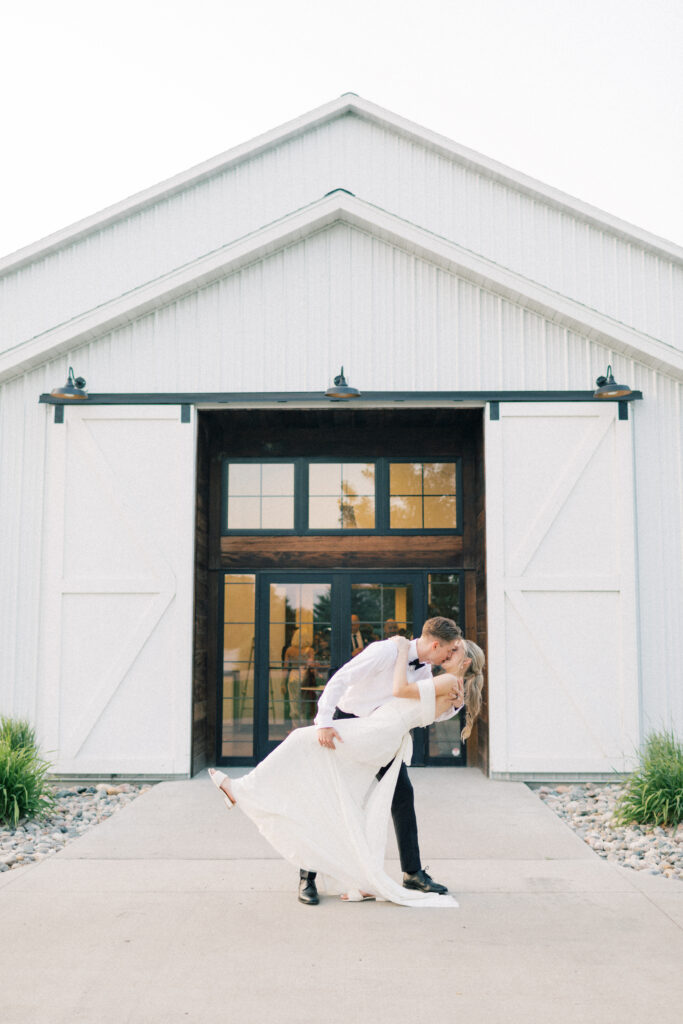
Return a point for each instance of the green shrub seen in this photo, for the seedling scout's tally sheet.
(17, 733)
(654, 793)
(23, 790)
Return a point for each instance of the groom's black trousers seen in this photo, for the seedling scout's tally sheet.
(402, 812)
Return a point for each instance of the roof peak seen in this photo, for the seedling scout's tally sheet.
(346, 103)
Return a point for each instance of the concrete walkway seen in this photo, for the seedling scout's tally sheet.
(174, 910)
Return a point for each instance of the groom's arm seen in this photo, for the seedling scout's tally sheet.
(371, 659)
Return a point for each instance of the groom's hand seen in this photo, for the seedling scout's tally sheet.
(326, 737)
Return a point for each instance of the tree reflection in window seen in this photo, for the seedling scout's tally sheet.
(422, 496)
(341, 496)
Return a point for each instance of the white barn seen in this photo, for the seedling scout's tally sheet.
(181, 550)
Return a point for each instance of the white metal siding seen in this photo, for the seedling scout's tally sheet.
(617, 276)
(396, 322)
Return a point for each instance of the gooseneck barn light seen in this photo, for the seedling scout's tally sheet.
(608, 388)
(340, 389)
(73, 389)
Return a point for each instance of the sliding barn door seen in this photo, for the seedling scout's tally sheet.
(117, 608)
(562, 635)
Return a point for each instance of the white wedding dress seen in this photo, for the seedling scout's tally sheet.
(323, 810)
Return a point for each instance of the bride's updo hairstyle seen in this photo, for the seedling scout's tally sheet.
(474, 684)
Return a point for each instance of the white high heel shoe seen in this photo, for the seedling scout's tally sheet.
(217, 779)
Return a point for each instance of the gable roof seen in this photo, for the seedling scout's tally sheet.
(341, 206)
(348, 103)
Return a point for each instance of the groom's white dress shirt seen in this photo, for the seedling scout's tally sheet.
(367, 681)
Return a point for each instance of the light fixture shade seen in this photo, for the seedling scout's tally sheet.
(607, 387)
(73, 389)
(340, 389)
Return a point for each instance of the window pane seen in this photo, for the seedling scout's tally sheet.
(379, 611)
(405, 478)
(277, 478)
(439, 513)
(443, 596)
(406, 513)
(444, 737)
(284, 603)
(299, 656)
(359, 513)
(324, 514)
(244, 478)
(237, 704)
(238, 641)
(239, 599)
(260, 496)
(277, 513)
(358, 479)
(439, 478)
(324, 478)
(244, 513)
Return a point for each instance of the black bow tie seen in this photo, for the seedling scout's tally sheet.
(416, 663)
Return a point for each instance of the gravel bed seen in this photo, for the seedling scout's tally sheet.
(75, 811)
(588, 809)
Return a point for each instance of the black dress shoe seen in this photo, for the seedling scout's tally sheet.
(308, 891)
(422, 882)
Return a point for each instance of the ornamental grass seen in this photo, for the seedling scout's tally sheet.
(654, 793)
(17, 732)
(23, 788)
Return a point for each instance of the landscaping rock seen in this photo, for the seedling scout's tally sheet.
(74, 812)
(648, 848)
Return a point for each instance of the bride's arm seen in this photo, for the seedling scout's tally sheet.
(402, 688)
(444, 685)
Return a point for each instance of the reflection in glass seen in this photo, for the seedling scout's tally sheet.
(383, 610)
(439, 513)
(444, 738)
(259, 496)
(444, 598)
(341, 496)
(237, 699)
(405, 478)
(405, 513)
(439, 477)
(299, 654)
(422, 496)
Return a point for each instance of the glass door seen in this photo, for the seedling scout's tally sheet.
(285, 634)
(296, 653)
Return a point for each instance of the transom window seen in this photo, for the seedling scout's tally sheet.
(341, 496)
(422, 495)
(302, 496)
(259, 495)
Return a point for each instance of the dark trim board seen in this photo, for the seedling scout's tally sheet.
(318, 398)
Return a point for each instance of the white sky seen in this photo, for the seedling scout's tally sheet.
(103, 100)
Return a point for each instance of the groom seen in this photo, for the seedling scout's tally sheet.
(360, 686)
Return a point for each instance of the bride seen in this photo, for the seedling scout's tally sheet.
(324, 809)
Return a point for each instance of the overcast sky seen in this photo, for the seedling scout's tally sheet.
(103, 100)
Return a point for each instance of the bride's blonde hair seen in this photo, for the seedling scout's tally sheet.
(474, 684)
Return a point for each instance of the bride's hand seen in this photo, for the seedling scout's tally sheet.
(402, 642)
(452, 687)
